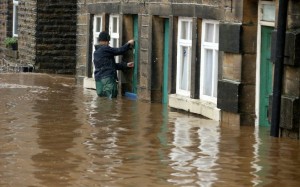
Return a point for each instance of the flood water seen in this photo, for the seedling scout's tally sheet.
(54, 133)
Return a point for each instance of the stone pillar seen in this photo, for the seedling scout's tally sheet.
(82, 37)
(238, 61)
(144, 89)
(27, 31)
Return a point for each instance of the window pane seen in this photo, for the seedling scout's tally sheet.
(217, 33)
(16, 21)
(98, 24)
(115, 25)
(184, 30)
(208, 70)
(114, 42)
(184, 82)
(209, 32)
(268, 12)
(215, 72)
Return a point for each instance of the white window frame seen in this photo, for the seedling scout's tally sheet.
(209, 46)
(114, 35)
(96, 31)
(188, 44)
(15, 18)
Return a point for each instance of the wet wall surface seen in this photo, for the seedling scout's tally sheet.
(54, 133)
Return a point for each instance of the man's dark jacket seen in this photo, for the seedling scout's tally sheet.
(104, 61)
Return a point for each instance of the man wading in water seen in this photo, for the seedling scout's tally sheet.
(106, 66)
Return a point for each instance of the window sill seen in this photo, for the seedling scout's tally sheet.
(204, 108)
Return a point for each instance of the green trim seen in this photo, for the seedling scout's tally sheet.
(135, 55)
(166, 61)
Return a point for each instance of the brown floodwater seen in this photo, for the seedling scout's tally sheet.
(56, 133)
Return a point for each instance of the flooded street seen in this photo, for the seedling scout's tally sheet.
(54, 133)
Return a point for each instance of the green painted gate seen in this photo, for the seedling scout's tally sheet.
(265, 75)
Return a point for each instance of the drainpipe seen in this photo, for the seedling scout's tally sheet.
(278, 71)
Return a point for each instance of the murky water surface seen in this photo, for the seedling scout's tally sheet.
(54, 133)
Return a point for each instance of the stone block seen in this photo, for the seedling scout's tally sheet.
(249, 68)
(249, 38)
(145, 20)
(230, 37)
(144, 43)
(228, 96)
(208, 12)
(292, 47)
(247, 119)
(291, 84)
(247, 98)
(183, 10)
(231, 69)
(160, 9)
(290, 112)
(144, 56)
(230, 120)
(250, 11)
(145, 32)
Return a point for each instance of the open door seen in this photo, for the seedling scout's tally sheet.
(129, 77)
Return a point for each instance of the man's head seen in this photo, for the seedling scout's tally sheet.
(104, 37)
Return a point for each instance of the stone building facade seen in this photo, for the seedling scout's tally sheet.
(180, 41)
(210, 57)
(46, 32)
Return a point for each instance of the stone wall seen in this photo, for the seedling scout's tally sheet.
(27, 31)
(5, 23)
(56, 36)
(290, 108)
(238, 61)
(81, 38)
(208, 9)
(46, 36)
(237, 66)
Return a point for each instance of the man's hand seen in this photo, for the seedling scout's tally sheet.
(131, 42)
(130, 64)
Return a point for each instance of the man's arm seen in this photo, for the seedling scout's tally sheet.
(123, 49)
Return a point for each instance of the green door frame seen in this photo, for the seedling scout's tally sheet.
(265, 75)
(166, 61)
(135, 57)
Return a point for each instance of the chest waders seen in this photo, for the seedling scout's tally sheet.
(107, 87)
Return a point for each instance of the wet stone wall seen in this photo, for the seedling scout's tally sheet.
(56, 36)
(27, 31)
(3, 21)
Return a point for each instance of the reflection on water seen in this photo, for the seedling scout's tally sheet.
(54, 133)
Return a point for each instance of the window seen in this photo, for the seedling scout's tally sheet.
(15, 17)
(268, 11)
(97, 28)
(209, 60)
(114, 32)
(183, 82)
(96, 31)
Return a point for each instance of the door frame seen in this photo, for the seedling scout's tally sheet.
(165, 95)
(136, 54)
(258, 56)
